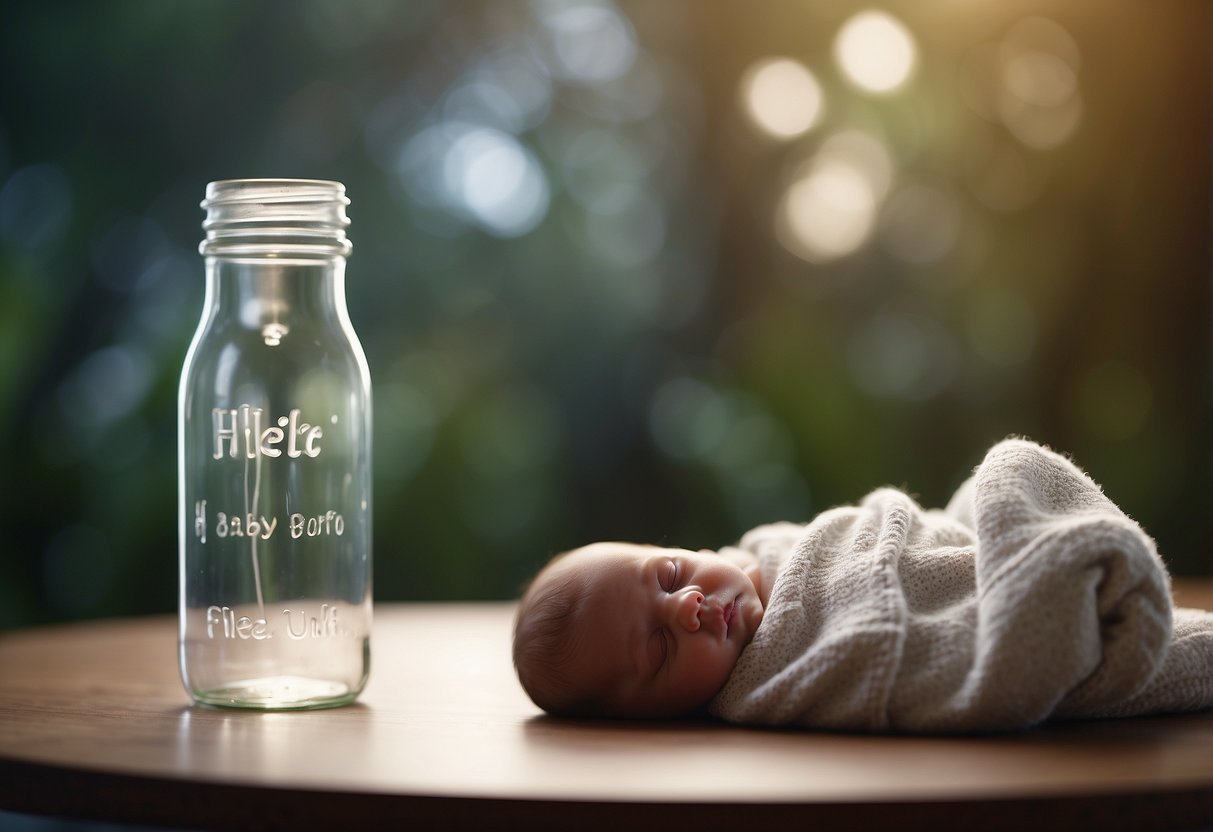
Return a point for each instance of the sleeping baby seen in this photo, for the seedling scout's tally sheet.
(1030, 597)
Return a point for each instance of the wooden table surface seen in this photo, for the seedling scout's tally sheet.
(94, 723)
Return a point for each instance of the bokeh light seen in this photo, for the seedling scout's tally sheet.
(1039, 101)
(476, 174)
(828, 212)
(781, 96)
(876, 52)
(830, 208)
(513, 81)
(498, 181)
(588, 42)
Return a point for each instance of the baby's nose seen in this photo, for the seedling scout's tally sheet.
(687, 611)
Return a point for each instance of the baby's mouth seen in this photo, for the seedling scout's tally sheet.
(729, 612)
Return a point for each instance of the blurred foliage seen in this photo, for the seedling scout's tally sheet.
(573, 275)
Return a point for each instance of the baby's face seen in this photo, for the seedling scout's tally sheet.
(662, 628)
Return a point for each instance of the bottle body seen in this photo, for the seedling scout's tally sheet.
(274, 444)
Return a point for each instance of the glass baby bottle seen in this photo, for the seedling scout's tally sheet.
(274, 457)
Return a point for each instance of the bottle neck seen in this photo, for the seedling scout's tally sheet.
(256, 294)
(296, 219)
(275, 253)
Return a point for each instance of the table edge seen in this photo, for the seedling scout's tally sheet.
(40, 788)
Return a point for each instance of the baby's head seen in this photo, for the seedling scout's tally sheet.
(624, 630)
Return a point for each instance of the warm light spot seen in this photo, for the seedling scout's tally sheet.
(1039, 34)
(1039, 99)
(828, 212)
(781, 96)
(829, 209)
(863, 152)
(875, 51)
(1039, 78)
(1042, 128)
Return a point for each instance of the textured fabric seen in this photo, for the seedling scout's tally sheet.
(1031, 596)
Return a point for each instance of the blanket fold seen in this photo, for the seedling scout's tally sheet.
(1032, 596)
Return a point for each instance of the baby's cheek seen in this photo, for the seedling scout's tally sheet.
(712, 671)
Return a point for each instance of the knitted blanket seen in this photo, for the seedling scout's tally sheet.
(1030, 597)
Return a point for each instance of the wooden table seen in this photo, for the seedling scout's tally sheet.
(94, 724)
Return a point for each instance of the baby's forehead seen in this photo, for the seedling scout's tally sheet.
(622, 556)
(598, 562)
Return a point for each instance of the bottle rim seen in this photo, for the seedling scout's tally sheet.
(275, 218)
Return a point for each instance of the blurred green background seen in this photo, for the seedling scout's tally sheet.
(657, 271)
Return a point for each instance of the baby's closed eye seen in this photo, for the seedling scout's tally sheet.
(668, 575)
(658, 650)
